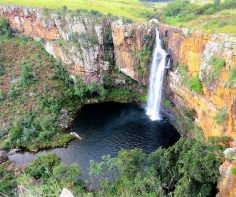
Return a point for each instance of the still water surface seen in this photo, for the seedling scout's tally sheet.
(106, 129)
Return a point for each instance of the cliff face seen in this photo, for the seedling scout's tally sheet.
(85, 43)
(199, 54)
(133, 44)
(76, 40)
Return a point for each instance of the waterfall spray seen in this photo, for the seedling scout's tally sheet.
(156, 80)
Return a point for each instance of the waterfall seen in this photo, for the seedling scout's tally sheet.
(156, 80)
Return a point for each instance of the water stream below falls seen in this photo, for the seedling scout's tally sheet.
(106, 129)
(156, 80)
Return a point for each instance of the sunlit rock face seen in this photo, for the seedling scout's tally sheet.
(227, 182)
(194, 49)
(129, 40)
(75, 40)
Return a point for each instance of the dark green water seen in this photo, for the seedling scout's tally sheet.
(106, 129)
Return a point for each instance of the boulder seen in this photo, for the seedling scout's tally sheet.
(66, 193)
(3, 157)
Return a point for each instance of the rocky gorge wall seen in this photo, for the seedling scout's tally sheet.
(82, 41)
(89, 45)
(76, 40)
(196, 52)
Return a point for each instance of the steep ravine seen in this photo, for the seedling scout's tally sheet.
(132, 50)
(198, 80)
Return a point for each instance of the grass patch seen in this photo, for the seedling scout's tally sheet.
(207, 16)
(133, 9)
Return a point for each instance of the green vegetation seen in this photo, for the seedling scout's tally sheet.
(188, 168)
(37, 89)
(27, 76)
(7, 180)
(232, 77)
(221, 116)
(108, 53)
(167, 102)
(51, 176)
(211, 16)
(133, 9)
(5, 29)
(143, 56)
(186, 122)
(218, 65)
(38, 168)
(193, 83)
(233, 171)
(214, 17)
(220, 142)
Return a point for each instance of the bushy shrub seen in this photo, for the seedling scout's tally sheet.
(182, 10)
(5, 29)
(39, 167)
(228, 4)
(209, 9)
(13, 93)
(193, 83)
(188, 168)
(69, 177)
(7, 181)
(92, 90)
(27, 76)
(30, 130)
(233, 171)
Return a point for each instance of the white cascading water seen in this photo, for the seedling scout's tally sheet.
(156, 80)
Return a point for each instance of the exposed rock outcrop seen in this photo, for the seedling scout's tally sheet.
(75, 40)
(66, 193)
(227, 182)
(80, 41)
(195, 50)
(3, 157)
